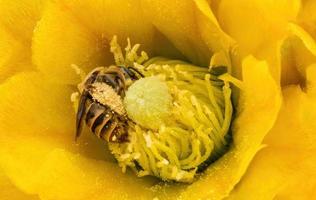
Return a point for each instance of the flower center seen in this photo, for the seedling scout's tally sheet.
(178, 115)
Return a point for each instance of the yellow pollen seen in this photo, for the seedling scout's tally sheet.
(105, 95)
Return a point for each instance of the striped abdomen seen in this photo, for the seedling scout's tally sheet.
(105, 123)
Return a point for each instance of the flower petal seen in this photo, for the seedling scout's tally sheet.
(288, 160)
(30, 110)
(278, 173)
(213, 36)
(258, 27)
(36, 105)
(307, 16)
(10, 192)
(17, 21)
(60, 41)
(182, 31)
(299, 129)
(106, 18)
(20, 17)
(13, 55)
(76, 176)
(256, 23)
(79, 33)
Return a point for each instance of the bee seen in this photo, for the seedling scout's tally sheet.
(101, 105)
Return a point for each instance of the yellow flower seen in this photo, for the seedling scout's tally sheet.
(269, 45)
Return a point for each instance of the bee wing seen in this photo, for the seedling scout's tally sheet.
(80, 113)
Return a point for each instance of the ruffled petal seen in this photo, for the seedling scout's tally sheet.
(13, 55)
(307, 16)
(17, 21)
(32, 120)
(297, 131)
(253, 24)
(61, 42)
(182, 31)
(217, 41)
(82, 178)
(79, 32)
(189, 25)
(258, 27)
(285, 169)
(19, 17)
(278, 173)
(107, 18)
(298, 52)
(10, 192)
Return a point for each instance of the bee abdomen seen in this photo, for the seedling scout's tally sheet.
(104, 123)
(93, 113)
(114, 130)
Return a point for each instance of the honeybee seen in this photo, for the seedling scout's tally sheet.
(101, 105)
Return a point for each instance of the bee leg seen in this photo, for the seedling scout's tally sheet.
(92, 77)
(129, 72)
(121, 87)
(133, 69)
(80, 112)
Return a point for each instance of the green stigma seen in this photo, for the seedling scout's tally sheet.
(180, 118)
(148, 102)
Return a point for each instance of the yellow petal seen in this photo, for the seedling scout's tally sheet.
(124, 19)
(176, 20)
(10, 192)
(278, 173)
(254, 24)
(13, 55)
(297, 52)
(19, 17)
(299, 129)
(31, 109)
(258, 27)
(60, 41)
(196, 33)
(17, 21)
(302, 170)
(29, 105)
(311, 80)
(82, 178)
(216, 40)
(307, 16)
(279, 170)
(107, 18)
(30, 161)
(78, 33)
(21, 159)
